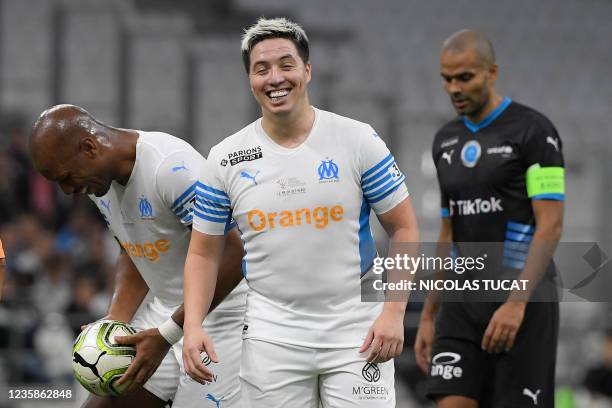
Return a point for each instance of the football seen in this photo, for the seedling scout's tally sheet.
(97, 361)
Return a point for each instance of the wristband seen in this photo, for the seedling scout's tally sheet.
(170, 331)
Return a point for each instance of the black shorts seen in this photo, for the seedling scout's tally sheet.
(521, 378)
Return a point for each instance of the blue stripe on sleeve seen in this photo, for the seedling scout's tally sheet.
(523, 228)
(184, 197)
(376, 184)
(555, 197)
(376, 167)
(515, 236)
(221, 202)
(211, 189)
(444, 212)
(516, 246)
(391, 190)
(201, 208)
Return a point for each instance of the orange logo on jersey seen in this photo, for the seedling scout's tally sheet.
(320, 217)
(147, 250)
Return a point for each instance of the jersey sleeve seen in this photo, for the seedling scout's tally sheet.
(176, 179)
(382, 182)
(212, 212)
(543, 157)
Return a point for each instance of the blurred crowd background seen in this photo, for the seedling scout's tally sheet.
(175, 66)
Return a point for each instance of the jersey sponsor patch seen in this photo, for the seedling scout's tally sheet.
(240, 156)
(449, 142)
(147, 250)
(503, 150)
(475, 206)
(319, 217)
(470, 153)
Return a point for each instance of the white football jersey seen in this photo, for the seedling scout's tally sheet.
(304, 218)
(150, 216)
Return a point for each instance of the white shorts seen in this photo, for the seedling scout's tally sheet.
(169, 382)
(284, 375)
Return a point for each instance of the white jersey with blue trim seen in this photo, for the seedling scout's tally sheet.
(304, 218)
(150, 216)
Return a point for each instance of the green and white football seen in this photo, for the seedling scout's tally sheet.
(97, 361)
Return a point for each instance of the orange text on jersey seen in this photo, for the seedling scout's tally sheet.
(319, 217)
(147, 250)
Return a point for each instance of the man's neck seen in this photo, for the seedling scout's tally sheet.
(289, 130)
(124, 147)
(494, 101)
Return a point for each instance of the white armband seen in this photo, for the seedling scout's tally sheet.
(170, 331)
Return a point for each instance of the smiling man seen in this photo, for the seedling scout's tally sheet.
(500, 170)
(301, 189)
(144, 185)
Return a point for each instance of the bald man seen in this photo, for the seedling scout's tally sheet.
(500, 171)
(144, 185)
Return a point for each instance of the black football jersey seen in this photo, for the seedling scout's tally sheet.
(482, 176)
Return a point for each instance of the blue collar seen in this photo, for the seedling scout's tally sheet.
(475, 127)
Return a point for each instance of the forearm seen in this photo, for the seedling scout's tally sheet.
(130, 290)
(199, 288)
(430, 309)
(179, 315)
(404, 241)
(230, 268)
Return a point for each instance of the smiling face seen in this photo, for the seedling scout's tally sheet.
(78, 168)
(279, 77)
(468, 80)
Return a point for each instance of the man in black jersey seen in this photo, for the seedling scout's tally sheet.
(500, 170)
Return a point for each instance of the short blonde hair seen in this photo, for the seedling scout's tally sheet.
(274, 28)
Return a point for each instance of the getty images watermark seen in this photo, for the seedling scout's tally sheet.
(458, 265)
(490, 272)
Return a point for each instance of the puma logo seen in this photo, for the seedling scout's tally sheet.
(527, 392)
(553, 141)
(80, 360)
(246, 175)
(448, 155)
(181, 167)
(213, 399)
(106, 204)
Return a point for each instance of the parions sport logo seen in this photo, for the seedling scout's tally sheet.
(240, 156)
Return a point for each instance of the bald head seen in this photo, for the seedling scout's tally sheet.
(61, 125)
(470, 40)
(81, 154)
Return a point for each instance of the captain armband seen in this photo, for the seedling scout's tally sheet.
(545, 183)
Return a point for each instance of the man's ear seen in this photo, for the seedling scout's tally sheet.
(88, 147)
(493, 71)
